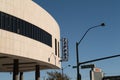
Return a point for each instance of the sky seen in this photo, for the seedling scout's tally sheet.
(74, 18)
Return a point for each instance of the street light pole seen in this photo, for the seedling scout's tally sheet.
(63, 69)
(77, 44)
(77, 55)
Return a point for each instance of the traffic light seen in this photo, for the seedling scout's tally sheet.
(64, 49)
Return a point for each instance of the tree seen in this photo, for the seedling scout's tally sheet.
(57, 76)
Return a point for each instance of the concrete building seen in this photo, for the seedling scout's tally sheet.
(29, 38)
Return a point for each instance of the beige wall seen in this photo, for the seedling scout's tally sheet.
(23, 47)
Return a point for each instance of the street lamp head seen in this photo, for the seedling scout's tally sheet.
(102, 24)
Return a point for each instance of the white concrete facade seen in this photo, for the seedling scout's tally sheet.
(29, 51)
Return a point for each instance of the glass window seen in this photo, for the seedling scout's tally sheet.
(35, 32)
(10, 23)
(24, 29)
(6, 22)
(58, 50)
(0, 20)
(27, 29)
(14, 25)
(19, 26)
(38, 34)
(30, 30)
(55, 46)
(34, 36)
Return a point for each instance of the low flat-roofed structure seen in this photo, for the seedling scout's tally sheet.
(111, 78)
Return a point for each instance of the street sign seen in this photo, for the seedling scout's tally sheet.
(88, 66)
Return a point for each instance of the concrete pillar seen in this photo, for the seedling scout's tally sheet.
(37, 72)
(21, 76)
(15, 69)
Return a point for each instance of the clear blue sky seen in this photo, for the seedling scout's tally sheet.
(74, 18)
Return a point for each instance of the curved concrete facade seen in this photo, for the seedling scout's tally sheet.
(28, 51)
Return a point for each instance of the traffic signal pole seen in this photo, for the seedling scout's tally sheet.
(99, 59)
(77, 44)
(77, 55)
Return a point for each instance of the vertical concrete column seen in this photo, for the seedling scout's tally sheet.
(37, 72)
(15, 69)
(21, 76)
